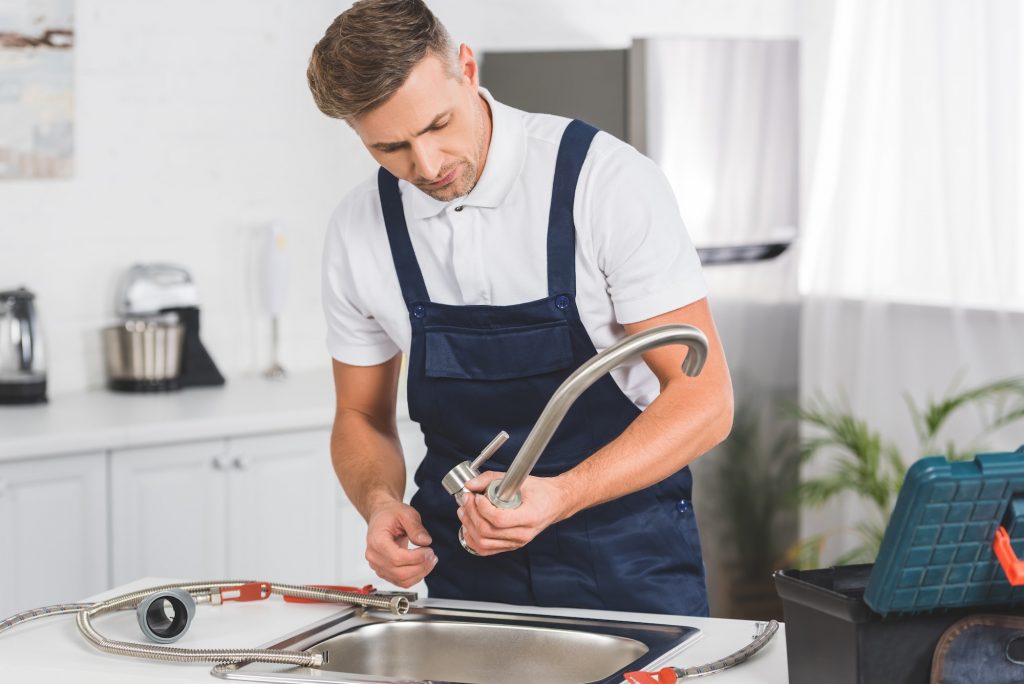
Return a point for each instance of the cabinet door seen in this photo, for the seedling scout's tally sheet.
(281, 512)
(53, 531)
(169, 511)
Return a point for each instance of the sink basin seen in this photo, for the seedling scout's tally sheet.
(432, 645)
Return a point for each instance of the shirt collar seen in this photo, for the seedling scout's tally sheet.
(504, 162)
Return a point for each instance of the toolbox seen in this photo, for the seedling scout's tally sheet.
(951, 549)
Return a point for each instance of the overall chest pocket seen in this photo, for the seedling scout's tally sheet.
(499, 354)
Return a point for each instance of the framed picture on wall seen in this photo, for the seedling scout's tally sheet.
(36, 89)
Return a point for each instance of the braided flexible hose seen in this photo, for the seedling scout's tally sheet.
(205, 591)
(764, 631)
(36, 613)
(398, 605)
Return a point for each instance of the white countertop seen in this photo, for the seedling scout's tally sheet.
(100, 419)
(51, 649)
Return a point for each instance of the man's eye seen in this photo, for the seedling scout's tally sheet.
(439, 126)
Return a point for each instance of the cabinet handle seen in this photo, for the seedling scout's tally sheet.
(218, 463)
(240, 463)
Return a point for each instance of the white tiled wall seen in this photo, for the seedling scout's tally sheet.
(194, 128)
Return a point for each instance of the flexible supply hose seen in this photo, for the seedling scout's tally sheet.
(208, 592)
(36, 613)
(763, 633)
(398, 605)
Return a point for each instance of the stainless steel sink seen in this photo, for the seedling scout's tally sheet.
(433, 645)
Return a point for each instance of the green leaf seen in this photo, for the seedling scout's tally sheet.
(937, 413)
(861, 463)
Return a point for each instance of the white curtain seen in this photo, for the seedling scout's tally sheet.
(912, 263)
(916, 191)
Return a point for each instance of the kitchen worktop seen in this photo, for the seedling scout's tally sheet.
(100, 419)
(51, 649)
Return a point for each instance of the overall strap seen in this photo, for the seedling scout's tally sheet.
(561, 229)
(409, 275)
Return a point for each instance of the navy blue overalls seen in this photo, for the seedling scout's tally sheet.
(476, 370)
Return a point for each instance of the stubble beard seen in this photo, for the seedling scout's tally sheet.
(460, 186)
(466, 179)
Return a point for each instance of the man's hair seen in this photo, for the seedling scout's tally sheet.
(367, 52)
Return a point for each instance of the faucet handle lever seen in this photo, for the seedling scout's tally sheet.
(489, 450)
(454, 482)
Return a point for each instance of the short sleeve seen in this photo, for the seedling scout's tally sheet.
(354, 336)
(641, 245)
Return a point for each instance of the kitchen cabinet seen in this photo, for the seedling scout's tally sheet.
(281, 523)
(169, 511)
(256, 507)
(53, 530)
(101, 488)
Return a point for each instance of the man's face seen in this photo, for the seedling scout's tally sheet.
(434, 131)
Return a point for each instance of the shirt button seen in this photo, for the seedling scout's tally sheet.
(419, 311)
(460, 207)
(683, 506)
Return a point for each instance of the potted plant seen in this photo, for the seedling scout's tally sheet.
(752, 476)
(872, 468)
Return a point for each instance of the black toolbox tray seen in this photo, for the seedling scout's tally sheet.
(833, 637)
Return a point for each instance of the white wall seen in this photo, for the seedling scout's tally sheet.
(194, 128)
(581, 24)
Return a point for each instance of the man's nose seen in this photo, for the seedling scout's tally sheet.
(427, 160)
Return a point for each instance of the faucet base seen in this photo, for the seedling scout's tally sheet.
(492, 496)
(462, 540)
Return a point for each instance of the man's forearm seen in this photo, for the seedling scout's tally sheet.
(367, 459)
(674, 430)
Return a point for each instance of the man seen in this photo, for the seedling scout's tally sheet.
(499, 250)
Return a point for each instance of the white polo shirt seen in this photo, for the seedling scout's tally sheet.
(634, 259)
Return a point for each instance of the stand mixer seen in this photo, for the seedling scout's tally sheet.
(156, 347)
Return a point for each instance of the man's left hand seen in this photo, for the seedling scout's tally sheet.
(490, 530)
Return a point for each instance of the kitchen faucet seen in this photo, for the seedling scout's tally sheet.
(504, 492)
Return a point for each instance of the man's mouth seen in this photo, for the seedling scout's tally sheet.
(445, 180)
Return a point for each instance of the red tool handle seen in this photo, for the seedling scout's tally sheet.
(355, 590)
(1012, 566)
(254, 591)
(666, 675)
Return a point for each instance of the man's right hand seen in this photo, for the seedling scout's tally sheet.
(390, 529)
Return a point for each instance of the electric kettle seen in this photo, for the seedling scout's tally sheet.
(22, 359)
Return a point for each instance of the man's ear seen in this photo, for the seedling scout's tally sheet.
(468, 67)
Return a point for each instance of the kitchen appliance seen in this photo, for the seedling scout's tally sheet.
(22, 357)
(156, 346)
(274, 291)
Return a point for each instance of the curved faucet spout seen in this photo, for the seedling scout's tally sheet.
(504, 493)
